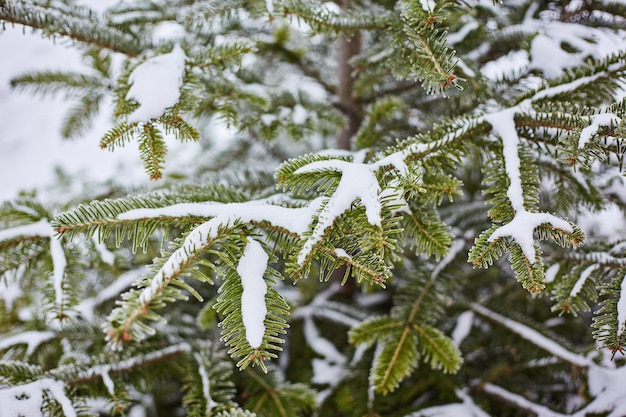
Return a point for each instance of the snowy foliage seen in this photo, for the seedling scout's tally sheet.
(350, 158)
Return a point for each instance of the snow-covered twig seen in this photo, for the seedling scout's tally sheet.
(534, 337)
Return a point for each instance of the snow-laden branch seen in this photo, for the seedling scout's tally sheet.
(43, 229)
(534, 337)
(358, 182)
(582, 279)
(598, 120)
(88, 306)
(295, 220)
(34, 230)
(156, 85)
(520, 402)
(521, 228)
(103, 371)
(32, 339)
(28, 399)
(251, 268)
(546, 48)
(206, 386)
(605, 384)
(467, 408)
(621, 309)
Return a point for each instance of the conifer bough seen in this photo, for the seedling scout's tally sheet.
(422, 178)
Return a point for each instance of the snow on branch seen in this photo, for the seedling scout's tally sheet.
(295, 220)
(621, 309)
(40, 229)
(598, 120)
(521, 228)
(358, 182)
(156, 85)
(32, 339)
(534, 337)
(43, 229)
(28, 399)
(103, 371)
(251, 268)
(88, 306)
(206, 386)
(519, 401)
(467, 408)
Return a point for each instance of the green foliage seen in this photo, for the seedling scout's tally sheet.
(427, 177)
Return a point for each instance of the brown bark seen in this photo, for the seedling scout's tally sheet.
(348, 102)
(350, 106)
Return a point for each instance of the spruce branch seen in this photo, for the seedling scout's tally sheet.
(76, 23)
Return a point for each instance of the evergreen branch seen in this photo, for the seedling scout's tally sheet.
(324, 21)
(426, 232)
(120, 367)
(437, 349)
(82, 26)
(119, 135)
(269, 391)
(534, 337)
(152, 150)
(610, 319)
(221, 55)
(270, 396)
(78, 120)
(397, 359)
(253, 311)
(16, 372)
(139, 303)
(177, 125)
(405, 339)
(518, 401)
(51, 82)
(208, 382)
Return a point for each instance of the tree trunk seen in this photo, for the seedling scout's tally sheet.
(348, 102)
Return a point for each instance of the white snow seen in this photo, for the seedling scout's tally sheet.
(206, 387)
(131, 363)
(32, 339)
(251, 269)
(503, 124)
(106, 379)
(156, 85)
(296, 220)
(581, 281)
(358, 181)
(534, 337)
(88, 306)
(461, 34)
(59, 262)
(167, 31)
(465, 409)
(621, 309)
(106, 255)
(43, 229)
(428, 5)
(603, 119)
(27, 399)
(520, 401)
(551, 272)
(341, 253)
(39, 229)
(463, 327)
(521, 230)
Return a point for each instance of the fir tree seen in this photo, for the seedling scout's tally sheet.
(397, 226)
